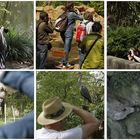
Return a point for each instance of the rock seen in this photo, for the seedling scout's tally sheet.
(123, 107)
(118, 111)
(115, 129)
(133, 124)
(119, 63)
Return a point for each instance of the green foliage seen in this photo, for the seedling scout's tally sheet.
(122, 79)
(123, 13)
(20, 46)
(17, 102)
(18, 18)
(66, 86)
(98, 5)
(121, 39)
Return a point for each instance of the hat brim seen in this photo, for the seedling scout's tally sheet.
(44, 121)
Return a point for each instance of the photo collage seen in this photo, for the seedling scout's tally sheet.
(69, 69)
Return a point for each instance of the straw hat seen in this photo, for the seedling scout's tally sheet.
(53, 110)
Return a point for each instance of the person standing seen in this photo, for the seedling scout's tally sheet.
(93, 48)
(87, 23)
(67, 36)
(44, 28)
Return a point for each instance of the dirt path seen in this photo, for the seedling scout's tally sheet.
(56, 54)
(18, 65)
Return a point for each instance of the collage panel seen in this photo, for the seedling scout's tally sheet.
(123, 105)
(16, 105)
(123, 34)
(70, 34)
(70, 105)
(16, 34)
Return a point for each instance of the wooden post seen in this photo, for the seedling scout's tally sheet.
(5, 121)
(13, 113)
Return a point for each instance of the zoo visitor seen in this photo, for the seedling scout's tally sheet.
(44, 28)
(53, 119)
(92, 46)
(67, 35)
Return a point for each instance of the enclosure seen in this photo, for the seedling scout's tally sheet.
(17, 17)
(66, 85)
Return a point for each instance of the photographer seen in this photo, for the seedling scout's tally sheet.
(134, 55)
(44, 28)
(53, 119)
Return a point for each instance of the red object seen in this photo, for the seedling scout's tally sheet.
(80, 33)
(58, 53)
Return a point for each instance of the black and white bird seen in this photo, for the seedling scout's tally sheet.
(3, 47)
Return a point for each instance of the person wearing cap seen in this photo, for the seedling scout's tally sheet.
(53, 117)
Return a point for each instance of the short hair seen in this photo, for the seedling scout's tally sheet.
(43, 15)
(68, 5)
(96, 27)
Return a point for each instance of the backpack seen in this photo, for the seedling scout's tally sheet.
(81, 32)
(61, 22)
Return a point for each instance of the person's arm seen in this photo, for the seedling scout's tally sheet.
(77, 16)
(91, 123)
(134, 56)
(49, 28)
(20, 80)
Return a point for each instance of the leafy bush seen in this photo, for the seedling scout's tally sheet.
(121, 39)
(98, 6)
(20, 47)
(20, 102)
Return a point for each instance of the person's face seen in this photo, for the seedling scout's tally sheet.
(46, 19)
(72, 7)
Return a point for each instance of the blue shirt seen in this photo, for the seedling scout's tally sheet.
(72, 17)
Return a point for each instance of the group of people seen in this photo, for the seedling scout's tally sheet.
(90, 48)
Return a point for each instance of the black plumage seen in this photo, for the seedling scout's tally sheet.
(85, 93)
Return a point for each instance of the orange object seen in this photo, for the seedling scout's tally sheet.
(57, 53)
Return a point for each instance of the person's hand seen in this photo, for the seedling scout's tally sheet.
(132, 52)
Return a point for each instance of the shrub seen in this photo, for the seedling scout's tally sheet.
(121, 39)
(20, 47)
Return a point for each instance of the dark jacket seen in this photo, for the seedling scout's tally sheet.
(43, 31)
